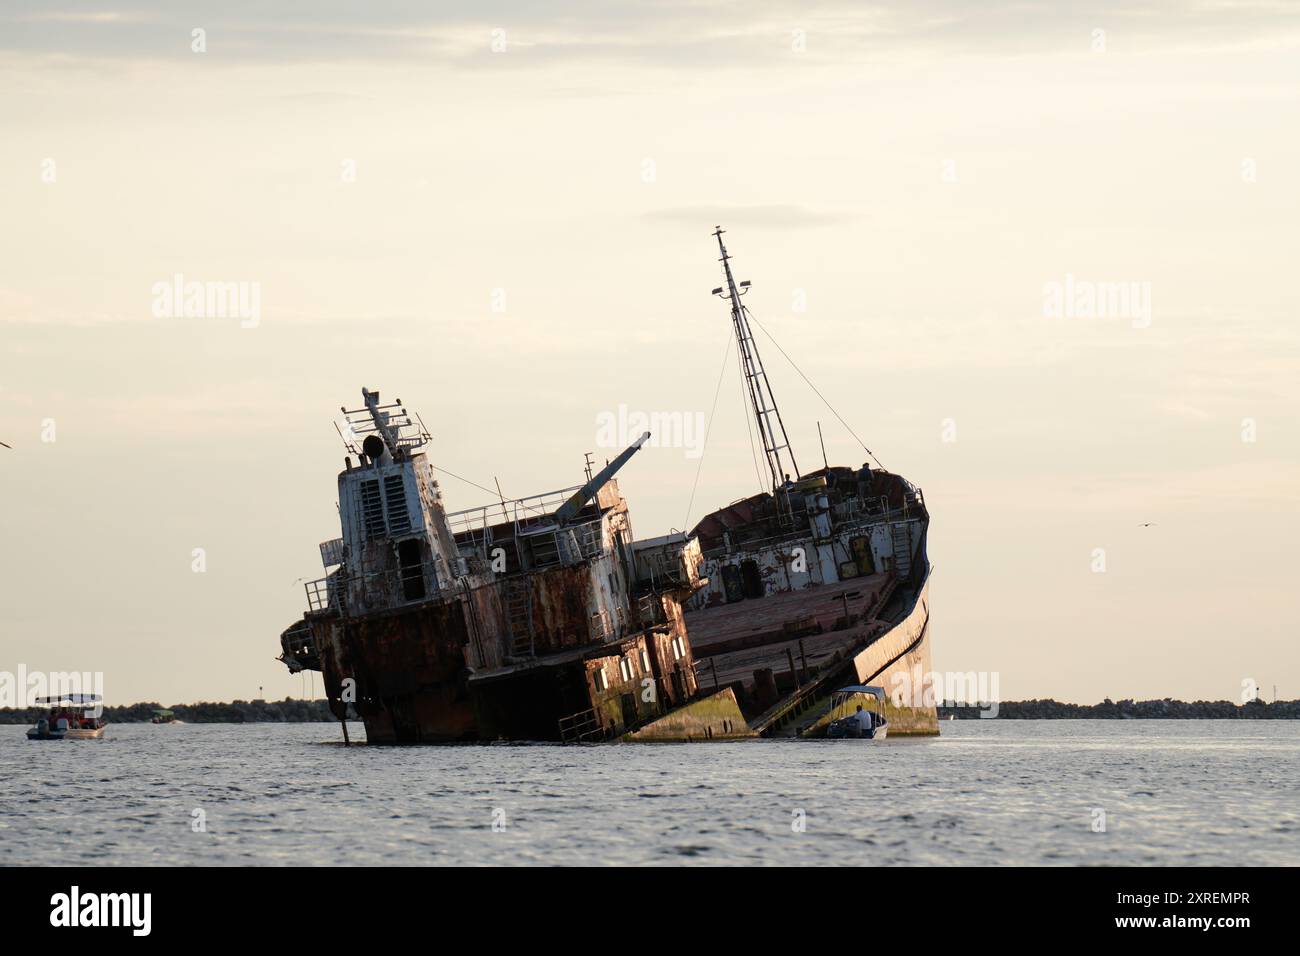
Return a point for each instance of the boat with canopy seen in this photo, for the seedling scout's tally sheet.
(70, 717)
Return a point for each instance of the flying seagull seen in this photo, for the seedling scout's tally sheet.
(1149, 524)
(10, 447)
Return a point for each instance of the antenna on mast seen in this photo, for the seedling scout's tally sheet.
(776, 444)
(382, 429)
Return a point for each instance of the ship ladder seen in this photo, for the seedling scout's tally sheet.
(902, 543)
(519, 616)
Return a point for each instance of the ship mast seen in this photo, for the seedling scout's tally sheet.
(776, 444)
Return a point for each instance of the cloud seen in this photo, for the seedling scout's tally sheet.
(705, 34)
(775, 215)
(74, 16)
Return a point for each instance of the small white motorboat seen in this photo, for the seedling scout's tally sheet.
(862, 724)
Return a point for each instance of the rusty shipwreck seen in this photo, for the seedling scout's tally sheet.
(535, 618)
(819, 581)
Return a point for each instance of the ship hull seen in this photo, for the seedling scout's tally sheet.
(402, 674)
(405, 675)
(899, 662)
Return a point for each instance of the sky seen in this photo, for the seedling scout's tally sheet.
(502, 213)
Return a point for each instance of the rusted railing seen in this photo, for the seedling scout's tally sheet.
(543, 548)
(322, 594)
(389, 588)
(584, 725)
(516, 511)
(858, 522)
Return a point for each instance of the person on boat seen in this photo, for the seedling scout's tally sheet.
(865, 720)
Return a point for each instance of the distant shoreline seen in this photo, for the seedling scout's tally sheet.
(1166, 709)
(294, 711)
(287, 711)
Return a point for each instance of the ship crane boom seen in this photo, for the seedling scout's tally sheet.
(569, 510)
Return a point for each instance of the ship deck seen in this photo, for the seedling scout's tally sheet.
(733, 640)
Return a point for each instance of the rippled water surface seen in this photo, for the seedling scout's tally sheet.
(986, 792)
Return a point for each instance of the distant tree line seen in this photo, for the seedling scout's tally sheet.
(1166, 709)
(287, 711)
(292, 711)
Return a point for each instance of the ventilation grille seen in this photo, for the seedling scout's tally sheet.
(372, 509)
(399, 521)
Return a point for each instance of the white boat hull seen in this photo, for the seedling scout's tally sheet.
(85, 733)
(848, 728)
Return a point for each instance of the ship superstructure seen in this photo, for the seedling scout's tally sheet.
(535, 618)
